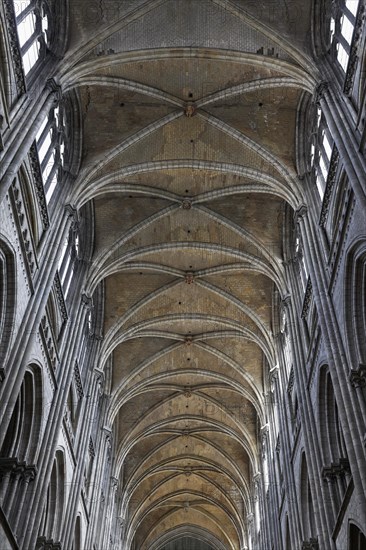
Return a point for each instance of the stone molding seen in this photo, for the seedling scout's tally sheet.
(336, 470)
(38, 181)
(354, 53)
(14, 46)
(307, 299)
(333, 168)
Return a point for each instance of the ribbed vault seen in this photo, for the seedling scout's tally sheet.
(189, 112)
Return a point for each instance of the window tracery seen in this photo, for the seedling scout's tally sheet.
(344, 34)
(32, 21)
(321, 152)
(68, 259)
(299, 256)
(50, 142)
(7, 301)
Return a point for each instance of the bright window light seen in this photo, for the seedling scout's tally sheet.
(327, 146)
(77, 244)
(30, 57)
(352, 5)
(323, 167)
(346, 29)
(56, 113)
(312, 153)
(318, 116)
(45, 23)
(42, 152)
(67, 263)
(62, 153)
(342, 56)
(63, 252)
(49, 166)
(26, 28)
(319, 185)
(20, 6)
(43, 126)
(332, 28)
(52, 187)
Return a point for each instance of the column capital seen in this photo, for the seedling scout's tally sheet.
(286, 301)
(273, 374)
(55, 88)
(358, 376)
(86, 300)
(320, 91)
(114, 483)
(300, 213)
(71, 210)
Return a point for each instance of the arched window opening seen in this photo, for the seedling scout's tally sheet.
(334, 216)
(287, 536)
(299, 255)
(341, 30)
(355, 316)
(335, 460)
(53, 512)
(357, 539)
(77, 535)
(307, 507)
(54, 316)
(22, 435)
(32, 22)
(285, 340)
(70, 254)
(30, 204)
(7, 302)
(321, 152)
(50, 142)
(18, 451)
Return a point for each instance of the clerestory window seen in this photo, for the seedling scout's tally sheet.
(51, 150)
(321, 152)
(32, 27)
(342, 26)
(70, 253)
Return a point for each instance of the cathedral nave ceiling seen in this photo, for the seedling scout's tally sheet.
(189, 157)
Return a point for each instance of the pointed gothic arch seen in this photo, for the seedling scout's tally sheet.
(7, 300)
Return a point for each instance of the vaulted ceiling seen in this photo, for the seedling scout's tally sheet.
(189, 111)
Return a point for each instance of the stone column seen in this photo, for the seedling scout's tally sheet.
(343, 136)
(26, 126)
(28, 476)
(308, 424)
(347, 402)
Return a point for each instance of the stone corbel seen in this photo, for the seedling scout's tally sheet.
(55, 88)
(29, 473)
(300, 213)
(47, 544)
(72, 212)
(114, 483)
(320, 91)
(273, 375)
(87, 301)
(311, 544)
(336, 470)
(358, 376)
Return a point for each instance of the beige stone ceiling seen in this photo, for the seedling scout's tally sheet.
(189, 222)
